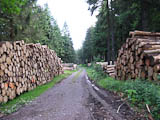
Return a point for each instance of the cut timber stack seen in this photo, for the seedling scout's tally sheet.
(108, 68)
(69, 66)
(24, 67)
(139, 57)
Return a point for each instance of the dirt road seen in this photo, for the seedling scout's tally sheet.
(72, 99)
(66, 101)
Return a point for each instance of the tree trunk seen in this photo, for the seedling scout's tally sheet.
(11, 30)
(144, 15)
(108, 32)
(113, 34)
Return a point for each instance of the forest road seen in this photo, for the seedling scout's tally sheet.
(65, 101)
(72, 99)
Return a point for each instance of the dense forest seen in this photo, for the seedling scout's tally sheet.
(115, 19)
(25, 20)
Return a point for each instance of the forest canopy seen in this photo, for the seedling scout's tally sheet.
(25, 20)
(115, 19)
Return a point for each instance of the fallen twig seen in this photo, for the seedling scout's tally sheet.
(149, 116)
(148, 108)
(120, 106)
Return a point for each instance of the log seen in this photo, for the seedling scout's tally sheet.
(157, 68)
(150, 71)
(139, 57)
(151, 47)
(151, 51)
(23, 67)
(1, 73)
(142, 33)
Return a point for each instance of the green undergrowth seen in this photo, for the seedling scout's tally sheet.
(138, 93)
(27, 97)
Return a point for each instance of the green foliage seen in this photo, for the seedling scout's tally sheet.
(12, 6)
(131, 95)
(138, 92)
(27, 97)
(124, 16)
(96, 72)
(93, 47)
(80, 57)
(98, 59)
(68, 51)
(158, 77)
(25, 20)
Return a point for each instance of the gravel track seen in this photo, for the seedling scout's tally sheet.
(65, 101)
(72, 99)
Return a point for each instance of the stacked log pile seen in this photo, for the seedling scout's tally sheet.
(24, 67)
(108, 68)
(139, 57)
(69, 66)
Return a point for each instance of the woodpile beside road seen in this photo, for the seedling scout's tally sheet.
(69, 66)
(139, 57)
(108, 68)
(23, 67)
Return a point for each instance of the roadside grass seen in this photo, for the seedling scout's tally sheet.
(76, 76)
(138, 93)
(27, 97)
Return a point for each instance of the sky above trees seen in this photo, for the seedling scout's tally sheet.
(75, 13)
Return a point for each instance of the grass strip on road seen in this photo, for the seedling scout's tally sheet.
(27, 97)
(76, 76)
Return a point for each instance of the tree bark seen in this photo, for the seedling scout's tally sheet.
(113, 33)
(108, 32)
(144, 15)
(11, 30)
